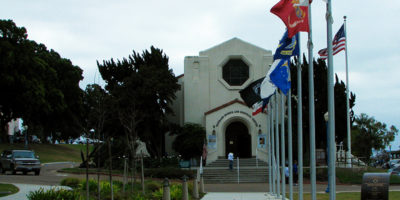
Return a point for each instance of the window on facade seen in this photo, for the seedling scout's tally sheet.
(235, 72)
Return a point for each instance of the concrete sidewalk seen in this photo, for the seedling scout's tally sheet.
(24, 190)
(264, 187)
(259, 191)
(239, 196)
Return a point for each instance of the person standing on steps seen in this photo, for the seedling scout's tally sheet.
(230, 158)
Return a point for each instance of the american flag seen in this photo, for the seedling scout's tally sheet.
(338, 44)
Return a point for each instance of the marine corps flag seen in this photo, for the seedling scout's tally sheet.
(294, 16)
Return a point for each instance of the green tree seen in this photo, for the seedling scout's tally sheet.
(368, 134)
(142, 88)
(320, 103)
(37, 84)
(189, 140)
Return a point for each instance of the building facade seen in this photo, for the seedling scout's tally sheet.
(209, 96)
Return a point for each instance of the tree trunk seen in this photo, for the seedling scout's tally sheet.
(87, 169)
(110, 169)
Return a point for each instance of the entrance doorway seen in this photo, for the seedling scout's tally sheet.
(238, 140)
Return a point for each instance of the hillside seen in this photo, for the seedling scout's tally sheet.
(52, 152)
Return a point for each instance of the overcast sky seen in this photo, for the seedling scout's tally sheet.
(96, 30)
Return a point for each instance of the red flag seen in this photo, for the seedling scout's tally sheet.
(294, 17)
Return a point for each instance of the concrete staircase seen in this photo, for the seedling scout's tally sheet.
(218, 171)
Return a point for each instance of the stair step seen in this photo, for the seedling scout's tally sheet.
(218, 172)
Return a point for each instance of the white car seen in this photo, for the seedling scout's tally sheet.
(82, 140)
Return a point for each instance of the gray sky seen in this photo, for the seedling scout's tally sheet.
(96, 30)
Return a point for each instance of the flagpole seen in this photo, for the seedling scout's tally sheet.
(269, 150)
(349, 160)
(331, 107)
(278, 180)
(273, 145)
(311, 109)
(300, 131)
(283, 154)
(299, 126)
(289, 100)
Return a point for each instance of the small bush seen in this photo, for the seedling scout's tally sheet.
(138, 196)
(175, 191)
(70, 182)
(105, 188)
(53, 194)
(166, 161)
(153, 186)
(92, 185)
(171, 173)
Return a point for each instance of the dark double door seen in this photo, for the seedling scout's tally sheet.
(238, 140)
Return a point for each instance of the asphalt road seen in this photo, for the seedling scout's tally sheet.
(48, 175)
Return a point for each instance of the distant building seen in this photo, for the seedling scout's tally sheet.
(209, 96)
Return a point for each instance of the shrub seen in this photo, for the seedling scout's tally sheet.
(138, 196)
(92, 185)
(70, 182)
(166, 161)
(153, 186)
(105, 188)
(53, 194)
(171, 173)
(175, 191)
(158, 194)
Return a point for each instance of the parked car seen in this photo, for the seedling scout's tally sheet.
(393, 162)
(19, 160)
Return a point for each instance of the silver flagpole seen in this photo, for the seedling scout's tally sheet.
(349, 159)
(299, 126)
(300, 131)
(278, 180)
(311, 109)
(269, 150)
(289, 100)
(273, 146)
(283, 145)
(331, 107)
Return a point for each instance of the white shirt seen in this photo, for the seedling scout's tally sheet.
(230, 156)
(287, 171)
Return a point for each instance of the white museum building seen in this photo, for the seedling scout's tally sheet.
(210, 96)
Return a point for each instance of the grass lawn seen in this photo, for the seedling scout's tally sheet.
(52, 152)
(345, 196)
(7, 189)
(350, 175)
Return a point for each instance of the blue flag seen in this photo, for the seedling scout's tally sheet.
(287, 47)
(280, 75)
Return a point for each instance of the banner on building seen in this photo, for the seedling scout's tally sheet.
(212, 142)
(262, 141)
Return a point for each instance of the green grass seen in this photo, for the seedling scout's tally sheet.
(350, 175)
(345, 196)
(7, 189)
(52, 152)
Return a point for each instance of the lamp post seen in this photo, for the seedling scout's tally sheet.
(26, 136)
(326, 117)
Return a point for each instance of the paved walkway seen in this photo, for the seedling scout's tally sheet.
(24, 190)
(239, 196)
